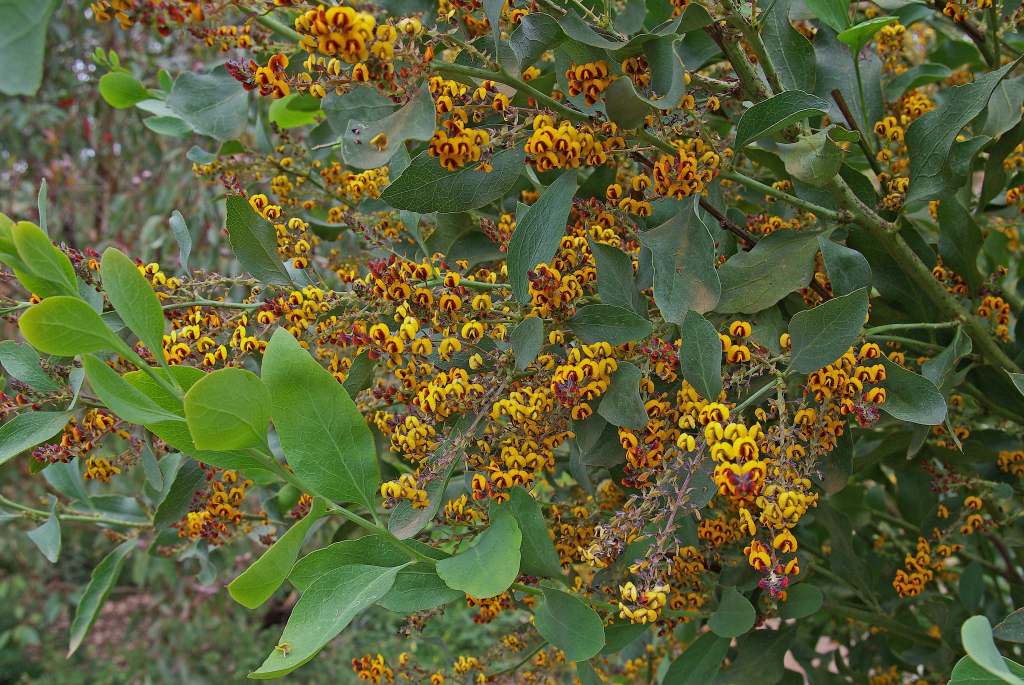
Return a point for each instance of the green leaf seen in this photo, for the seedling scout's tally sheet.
(685, 277)
(842, 559)
(254, 242)
(47, 536)
(186, 479)
(777, 113)
(967, 672)
(848, 270)
(527, 339)
(323, 611)
(181, 235)
(995, 171)
(735, 615)
(761, 658)
(292, 111)
(215, 103)
(700, 356)
(536, 34)
(28, 430)
(537, 551)
(1003, 111)
(360, 374)
(22, 363)
(971, 586)
(259, 582)
(930, 137)
(363, 103)
(802, 600)
(960, 241)
(175, 126)
(624, 105)
(154, 476)
(779, 264)
(325, 438)
(834, 13)
(822, 335)
(43, 259)
(838, 68)
(816, 159)
(615, 281)
(1011, 628)
(910, 397)
(621, 403)
(65, 478)
(668, 73)
(406, 520)
(229, 409)
(587, 674)
(570, 625)
(538, 233)
(631, 18)
(938, 367)
(572, 51)
(418, 588)
(491, 566)
(859, 36)
(66, 326)
(976, 635)
(23, 44)
(607, 323)
(580, 31)
(621, 634)
(790, 51)
(915, 77)
(838, 464)
(134, 299)
(122, 90)
(103, 579)
(121, 397)
(426, 186)
(414, 121)
(699, 663)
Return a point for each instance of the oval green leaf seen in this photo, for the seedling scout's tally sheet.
(491, 566)
(569, 624)
(229, 409)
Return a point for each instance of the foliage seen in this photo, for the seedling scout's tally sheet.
(636, 328)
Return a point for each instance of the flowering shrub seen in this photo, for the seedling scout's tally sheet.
(657, 324)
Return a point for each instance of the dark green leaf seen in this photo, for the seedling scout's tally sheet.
(426, 186)
(325, 438)
(570, 52)
(22, 363)
(254, 242)
(570, 625)
(122, 90)
(607, 323)
(621, 404)
(976, 635)
(103, 579)
(587, 674)
(822, 335)
(685, 277)
(938, 367)
(47, 536)
(668, 73)
(700, 356)
(1011, 628)
(848, 270)
(215, 103)
(527, 339)
(915, 77)
(490, 567)
(323, 611)
(631, 18)
(134, 299)
(1003, 111)
(776, 113)
(360, 374)
(363, 103)
(579, 30)
(23, 44)
(536, 34)
(972, 587)
(838, 464)
(834, 13)
(28, 430)
(154, 476)
(259, 582)
(182, 237)
(761, 658)
(539, 232)
(175, 503)
(842, 559)
(615, 281)
(66, 479)
(735, 615)
(121, 397)
(858, 36)
(621, 634)
(816, 159)
(967, 672)
(790, 51)
(837, 69)
(699, 663)
(418, 588)
(228, 409)
(779, 264)
(995, 171)
(414, 121)
(960, 241)
(624, 105)
(802, 600)
(930, 137)
(910, 397)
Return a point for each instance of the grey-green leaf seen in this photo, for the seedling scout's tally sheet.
(539, 232)
(779, 264)
(915, 77)
(802, 600)
(685, 277)
(790, 51)
(229, 409)
(537, 33)
(910, 397)
(616, 326)
(22, 363)
(28, 430)
(103, 579)
(538, 555)
(960, 241)
(181, 235)
(215, 103)
(254, 242)
(976, 635)
(175, 503)
(569, 624)
(491, 566)
(362, 103)
(23, 44)
(834, 13)
(325, 438)
(700, 356)
(735, 615)
(967, 672)
(47, 536)
(414, 121)
(699, 663)
(121, 397)
(848, 270)
(527, 339)
(259, 582)
(938, 367)
(776, 113)
(823, 334)
(621, 404)
(323, 611)
(615, 281)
